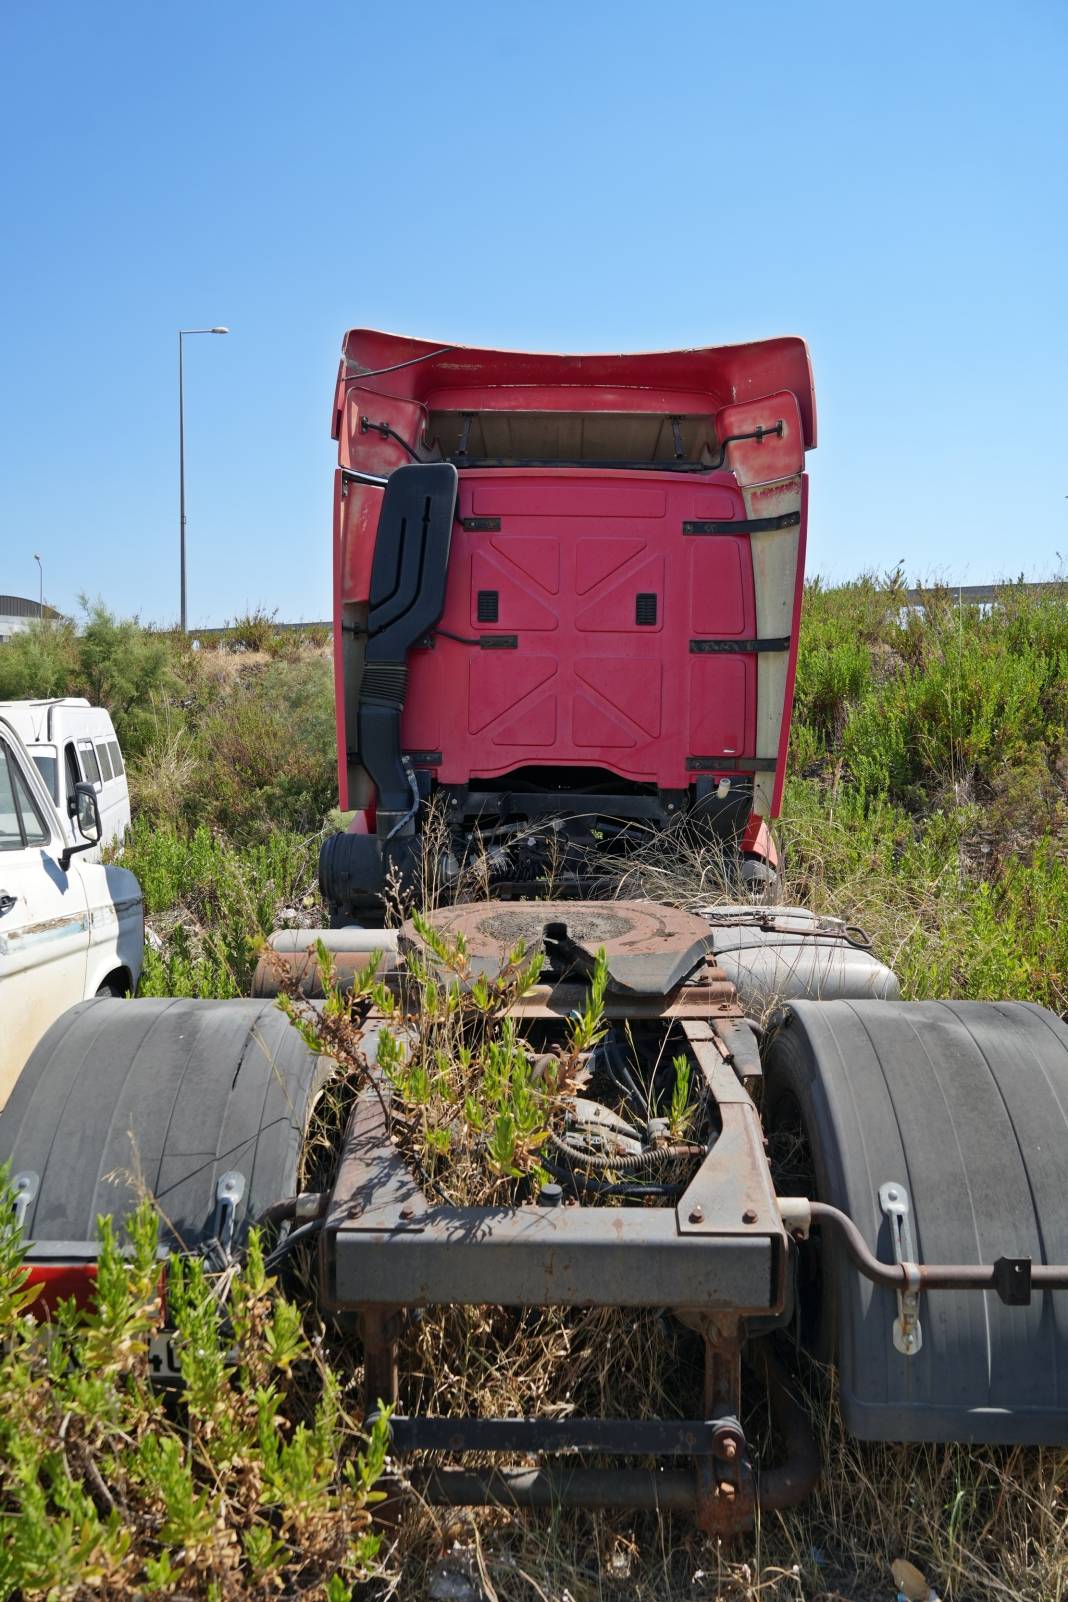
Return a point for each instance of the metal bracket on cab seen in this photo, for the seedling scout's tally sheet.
(894, 1201)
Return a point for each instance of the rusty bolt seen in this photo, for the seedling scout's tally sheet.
(749, 1216)
(697, 1214)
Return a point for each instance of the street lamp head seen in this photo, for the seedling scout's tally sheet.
(220, 330)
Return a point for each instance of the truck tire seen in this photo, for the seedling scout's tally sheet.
(159, 1096)
(965, 1104)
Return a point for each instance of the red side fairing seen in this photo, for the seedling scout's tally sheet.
(58, 1282)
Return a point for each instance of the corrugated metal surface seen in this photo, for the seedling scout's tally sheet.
(13, 606)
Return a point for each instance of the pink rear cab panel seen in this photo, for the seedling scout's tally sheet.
(588, 684)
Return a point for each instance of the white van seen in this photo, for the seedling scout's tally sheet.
(69, 928)
(74, 743)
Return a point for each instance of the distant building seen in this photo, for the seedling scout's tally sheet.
(16, 615)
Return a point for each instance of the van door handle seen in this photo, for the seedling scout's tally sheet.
(6, 903)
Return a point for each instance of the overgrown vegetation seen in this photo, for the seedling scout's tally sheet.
(928, 798)
(236, 734)
(237, 1487)
(927, 802)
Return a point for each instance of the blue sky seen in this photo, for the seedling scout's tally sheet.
(887, 180)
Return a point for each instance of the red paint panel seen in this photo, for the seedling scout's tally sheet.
(614, 684)
(522, 603)
(498, 683)
(719, 567)
(597, 559)
(610, 609)
(756, 841)
(58, 1282)
(721, 705)
(775, 456)
(538, 498)
(587, 684)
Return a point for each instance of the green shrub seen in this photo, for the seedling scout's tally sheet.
(257, 1485)
(268, 752)
(254, 631)
(213, 903)
(115, 663)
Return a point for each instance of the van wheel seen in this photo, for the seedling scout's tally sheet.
(114, 985)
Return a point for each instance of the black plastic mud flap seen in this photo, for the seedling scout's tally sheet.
(165, 1097)
(958, 1111)
(407, 597)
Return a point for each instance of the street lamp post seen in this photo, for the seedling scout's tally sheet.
(40, 589)
(182, 332)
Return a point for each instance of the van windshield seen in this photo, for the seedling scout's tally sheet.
(48, 768)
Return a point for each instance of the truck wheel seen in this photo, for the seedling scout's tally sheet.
(161, 1096)
(964, 1105)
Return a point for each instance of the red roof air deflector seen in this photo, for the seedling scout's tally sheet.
(436, 375)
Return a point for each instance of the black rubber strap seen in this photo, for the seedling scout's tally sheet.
(738, 647)
(752, 525)
(485, 642)
(697, 764)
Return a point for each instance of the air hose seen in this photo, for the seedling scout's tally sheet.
(637, 1162)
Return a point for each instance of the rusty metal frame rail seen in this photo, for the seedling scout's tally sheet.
(718, 1255)
(654, 1490)
(722, 1248)
(623, 1437)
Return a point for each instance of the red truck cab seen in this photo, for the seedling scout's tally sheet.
(566, 588)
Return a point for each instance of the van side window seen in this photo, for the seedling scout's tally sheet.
(21, 824)
(105, 762)
(116, 759)
(46, 767)
(70, 762)
(90, 765)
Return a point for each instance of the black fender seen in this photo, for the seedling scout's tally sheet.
(159, 1097)
(965, 1103)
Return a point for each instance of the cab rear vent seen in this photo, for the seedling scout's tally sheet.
(645, 610)
(487, 606)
